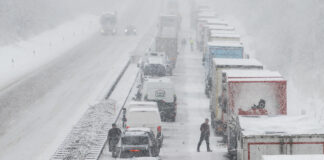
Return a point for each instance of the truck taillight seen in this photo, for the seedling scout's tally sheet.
(159, 128)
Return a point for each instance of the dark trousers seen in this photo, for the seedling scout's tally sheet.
(202, 138)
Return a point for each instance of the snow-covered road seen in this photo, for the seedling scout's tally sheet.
(181, 137)
(38, 112)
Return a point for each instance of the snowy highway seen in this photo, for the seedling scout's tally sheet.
(154, 77)
(181, 137)
(41, 109)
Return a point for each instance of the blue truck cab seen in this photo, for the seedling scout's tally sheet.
(220, 49)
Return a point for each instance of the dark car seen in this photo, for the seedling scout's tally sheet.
(130, 30)
(138, 142)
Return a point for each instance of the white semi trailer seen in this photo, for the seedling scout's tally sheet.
(277, 135)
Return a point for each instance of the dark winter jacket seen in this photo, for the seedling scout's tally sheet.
(204, 129)
(114, 133)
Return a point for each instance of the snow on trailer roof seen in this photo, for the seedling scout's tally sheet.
(206, 13)
(279, 125)
(241, 73)
(224, 34)
(213, 21)
(219, 27)
(236, 62)
(294, 157)
(225, 43)
(263, 79)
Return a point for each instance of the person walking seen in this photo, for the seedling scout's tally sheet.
(113, 137)
(204, 135)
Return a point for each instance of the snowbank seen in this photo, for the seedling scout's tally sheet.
(19, 59)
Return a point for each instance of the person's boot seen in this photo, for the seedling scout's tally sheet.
(208, 149)
(198, 148)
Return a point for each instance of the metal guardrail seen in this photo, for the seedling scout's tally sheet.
(111, 90)
(88, 137)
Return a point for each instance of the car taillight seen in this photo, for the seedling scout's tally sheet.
(127, 127)
(134, 150)
(159, 128)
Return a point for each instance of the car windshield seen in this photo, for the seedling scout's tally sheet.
(154, 70)
(135, 140)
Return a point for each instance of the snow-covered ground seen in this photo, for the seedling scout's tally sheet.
(181, 137)
(41, 108)
(18, 59)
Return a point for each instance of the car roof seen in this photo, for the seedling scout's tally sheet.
(135, 133)
(143, 129)
(143, 109)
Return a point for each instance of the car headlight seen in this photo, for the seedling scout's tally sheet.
(126, 30)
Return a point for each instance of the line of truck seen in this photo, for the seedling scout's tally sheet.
(248, 103)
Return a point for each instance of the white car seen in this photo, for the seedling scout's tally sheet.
(147, 117)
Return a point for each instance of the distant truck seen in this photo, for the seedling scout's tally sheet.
(256, 136)
(167, 42)
(218, 49)
(108, 23)
(203, 30)
(215, 86)
(169, 21)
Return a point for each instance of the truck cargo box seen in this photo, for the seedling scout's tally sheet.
(215, 86)
(236, 90)
(167, 42)
(294, 157)
(277, 135)
(213, 66)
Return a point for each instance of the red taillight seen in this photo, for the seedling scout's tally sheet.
(159, 128)
(127, 127)
(134, 150)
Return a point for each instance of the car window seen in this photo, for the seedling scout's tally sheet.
(135, 140)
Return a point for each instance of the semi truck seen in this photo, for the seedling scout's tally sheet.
(167, 42)
(108, 23)
(215, 85)
(169, 21)
(247, 92)
(256, 136)
(203, 31)
(218, 50)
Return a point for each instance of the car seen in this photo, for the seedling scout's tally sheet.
(138, 142)
(148, 117)
(154, 67)
(164, 59)
(130, 30)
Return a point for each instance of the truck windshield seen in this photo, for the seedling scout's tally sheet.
(135, 140)
(155, 70)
